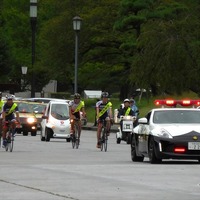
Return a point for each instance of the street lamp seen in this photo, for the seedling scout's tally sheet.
(33, 18)
(24, 72)
(77, 26)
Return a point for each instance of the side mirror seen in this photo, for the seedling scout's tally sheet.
(44, 117)
(143, 120)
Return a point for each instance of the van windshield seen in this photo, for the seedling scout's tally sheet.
(60, 111)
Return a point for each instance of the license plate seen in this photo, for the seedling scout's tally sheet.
(194, 145)
(127, 126)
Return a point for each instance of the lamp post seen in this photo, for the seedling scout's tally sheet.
(33, 18)
(77, 27)
(24, 72)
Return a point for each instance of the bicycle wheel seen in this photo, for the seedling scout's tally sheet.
(102, 138)
(7, 144)
(11, 144)
(73, 140)
(76, 135)
(105, 140)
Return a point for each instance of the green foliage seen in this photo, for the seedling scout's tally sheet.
(168, 10)
(166, 51)
(123, 44)
(16, 35)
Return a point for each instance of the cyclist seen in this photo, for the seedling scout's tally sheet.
(9, 109)
(75, 107)
(1, 110)
(104, 112)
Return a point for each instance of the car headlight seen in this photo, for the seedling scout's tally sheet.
(31, 120)
(164, 133)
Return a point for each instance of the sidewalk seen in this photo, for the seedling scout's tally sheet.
(90, 126)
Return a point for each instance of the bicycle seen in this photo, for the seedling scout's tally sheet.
(1, 127)
(0, 139)
(75, 136)
(104, 136)
(9, 138)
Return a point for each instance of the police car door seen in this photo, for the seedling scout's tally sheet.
(143, 133)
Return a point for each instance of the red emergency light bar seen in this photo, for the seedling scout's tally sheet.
(171, 102)
(165, 102)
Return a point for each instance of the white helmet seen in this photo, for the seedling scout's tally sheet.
(9, 98)
(126, 100)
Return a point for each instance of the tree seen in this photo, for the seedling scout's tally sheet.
(14, 31)
(167, 57)
(136, 44)
(132, 15)
(161, 54)
(97, 46)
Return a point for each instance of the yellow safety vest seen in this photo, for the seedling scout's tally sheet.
(1, 104)
(127, 111)
(108, 105)
(12, 109)
(80, 105)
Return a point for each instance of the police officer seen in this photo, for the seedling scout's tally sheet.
(134, 107)
(126, 110)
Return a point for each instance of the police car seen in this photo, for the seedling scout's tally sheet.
(168, 133)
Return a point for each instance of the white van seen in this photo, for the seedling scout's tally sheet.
(55, 121)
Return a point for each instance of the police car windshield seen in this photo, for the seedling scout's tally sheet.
(176, 116)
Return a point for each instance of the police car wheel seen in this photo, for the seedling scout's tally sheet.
(134, 156)
(152, 155)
